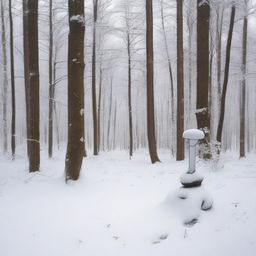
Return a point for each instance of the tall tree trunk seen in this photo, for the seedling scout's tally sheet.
(130, 96)
(110, 114)
(150, 83)
(170, 73)
(75, 147)
(54, 103)
(33, 85)
(99, 108)
(5, 80)
(243, 90)
(13, 139)
(202, 102)
(94, 103)
(180, 82)
(225, 82)
(51, 84)
(220, 13)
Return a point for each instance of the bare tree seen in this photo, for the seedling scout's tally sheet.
(243, 86)
(51, 84)
(202, 101)
(75, 147)
(226, 77)
(32, 82)
(180, 82)
(5, 79)
(13, 129)
(150, 83)
(94, 101)
(170, 70)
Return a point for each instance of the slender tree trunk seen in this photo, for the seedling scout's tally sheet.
(180, 82)
(170, 73)
(110, 115)
(75, 147)
(13, 131)
(243, 90)
(94, 103)
(220, 13)
(51, 84)
(54, 104)
(225, 82)
(5, 80)
(150, 83)
(202, 102)
(33, 85)
(99, 108)
(130, 96)
(114, 142)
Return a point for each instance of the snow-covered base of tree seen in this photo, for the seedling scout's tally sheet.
(123, 207)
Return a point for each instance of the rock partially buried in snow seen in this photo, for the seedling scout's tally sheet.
(190, 180)
(193, 134)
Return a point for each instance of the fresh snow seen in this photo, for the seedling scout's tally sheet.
(78, 18)
(190, 177)
(123, 207)
(193, 134)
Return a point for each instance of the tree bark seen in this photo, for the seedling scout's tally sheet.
(32, 71)
(13, 124)
(99, 108)
(202, 102)
(75, 147)
(243, 90)
(150, 83)
(51, 84)
(130, 96)
(5, 80)
(180, 82)
(225, 82)
(94, 103)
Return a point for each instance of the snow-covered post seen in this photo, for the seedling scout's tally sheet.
(191, 178)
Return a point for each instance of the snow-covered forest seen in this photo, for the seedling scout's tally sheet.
(127, 127)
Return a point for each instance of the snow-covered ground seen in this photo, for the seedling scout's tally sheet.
(123, 207)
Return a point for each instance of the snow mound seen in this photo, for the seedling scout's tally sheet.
(193, 134)
(191, 179)
(188, 204)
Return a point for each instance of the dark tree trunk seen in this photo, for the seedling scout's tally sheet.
(75, 147)
(5, 80)
(130, 96)
(243, 90)
(99, 108)
(150, 83)
(51, 84)
(94, 101)
(180, 82)
(202, 100)
(33, 84)
(13, 139)
(225, 82)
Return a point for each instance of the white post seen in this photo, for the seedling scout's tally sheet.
(191, 178)
(192, 156)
